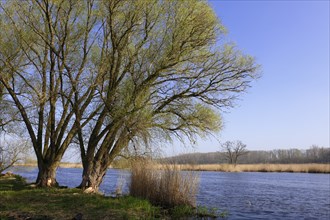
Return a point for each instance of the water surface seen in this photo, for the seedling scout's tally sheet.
(267, 195)
(242, 195)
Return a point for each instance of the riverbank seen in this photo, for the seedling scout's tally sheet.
(19, 200)
(62, 164)
(290, 168)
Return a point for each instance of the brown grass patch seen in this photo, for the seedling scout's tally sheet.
(163, 185)
(62, 164)
(292, 168)
(70, 165)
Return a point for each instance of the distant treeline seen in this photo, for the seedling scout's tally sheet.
(312, 155)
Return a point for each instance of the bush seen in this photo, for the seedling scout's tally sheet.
(163, 185)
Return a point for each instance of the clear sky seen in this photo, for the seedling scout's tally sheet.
(289, 106)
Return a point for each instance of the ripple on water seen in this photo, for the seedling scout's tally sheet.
(243, 195)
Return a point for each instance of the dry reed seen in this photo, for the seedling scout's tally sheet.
(292, 168)
(166, 187)
(62, 165)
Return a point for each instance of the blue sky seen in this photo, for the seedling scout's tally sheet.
(289, 106)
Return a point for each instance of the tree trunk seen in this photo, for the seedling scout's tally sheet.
(235, 159)
(92, 177)
(230, 159)
(47, 175)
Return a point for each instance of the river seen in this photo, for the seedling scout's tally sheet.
(241, 195)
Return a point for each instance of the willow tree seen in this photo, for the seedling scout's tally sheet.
(44, 47)
(109, 74)
(162, 74)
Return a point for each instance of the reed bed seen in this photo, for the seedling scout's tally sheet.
(70, 165)
(163, 185)
(291, 168)
(62, 164)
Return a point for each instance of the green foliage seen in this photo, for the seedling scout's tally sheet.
(121, 163)
(182, 211)
(200, 212)
(109, 74)
(203, 211)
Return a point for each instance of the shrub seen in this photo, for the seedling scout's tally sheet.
(165, 186)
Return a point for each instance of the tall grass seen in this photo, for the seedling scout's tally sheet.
(291, 168)
(164, 185)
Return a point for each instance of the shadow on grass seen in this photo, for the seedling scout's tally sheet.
(19, 201)
(12, 182)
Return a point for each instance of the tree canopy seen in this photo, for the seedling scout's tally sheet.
(107, 74)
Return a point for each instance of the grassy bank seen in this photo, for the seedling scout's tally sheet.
(20, 201)
(295, 168)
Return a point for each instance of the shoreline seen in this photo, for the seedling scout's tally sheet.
(282, 168)
(62, 165)
(73, 203)
(59, 203)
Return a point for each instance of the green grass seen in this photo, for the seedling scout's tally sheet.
(11, 183)
(17, 200)
(201, 212)
(20, 201)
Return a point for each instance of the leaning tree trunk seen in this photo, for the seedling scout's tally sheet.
(93, 174)
(47, 174)
(96, 166)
